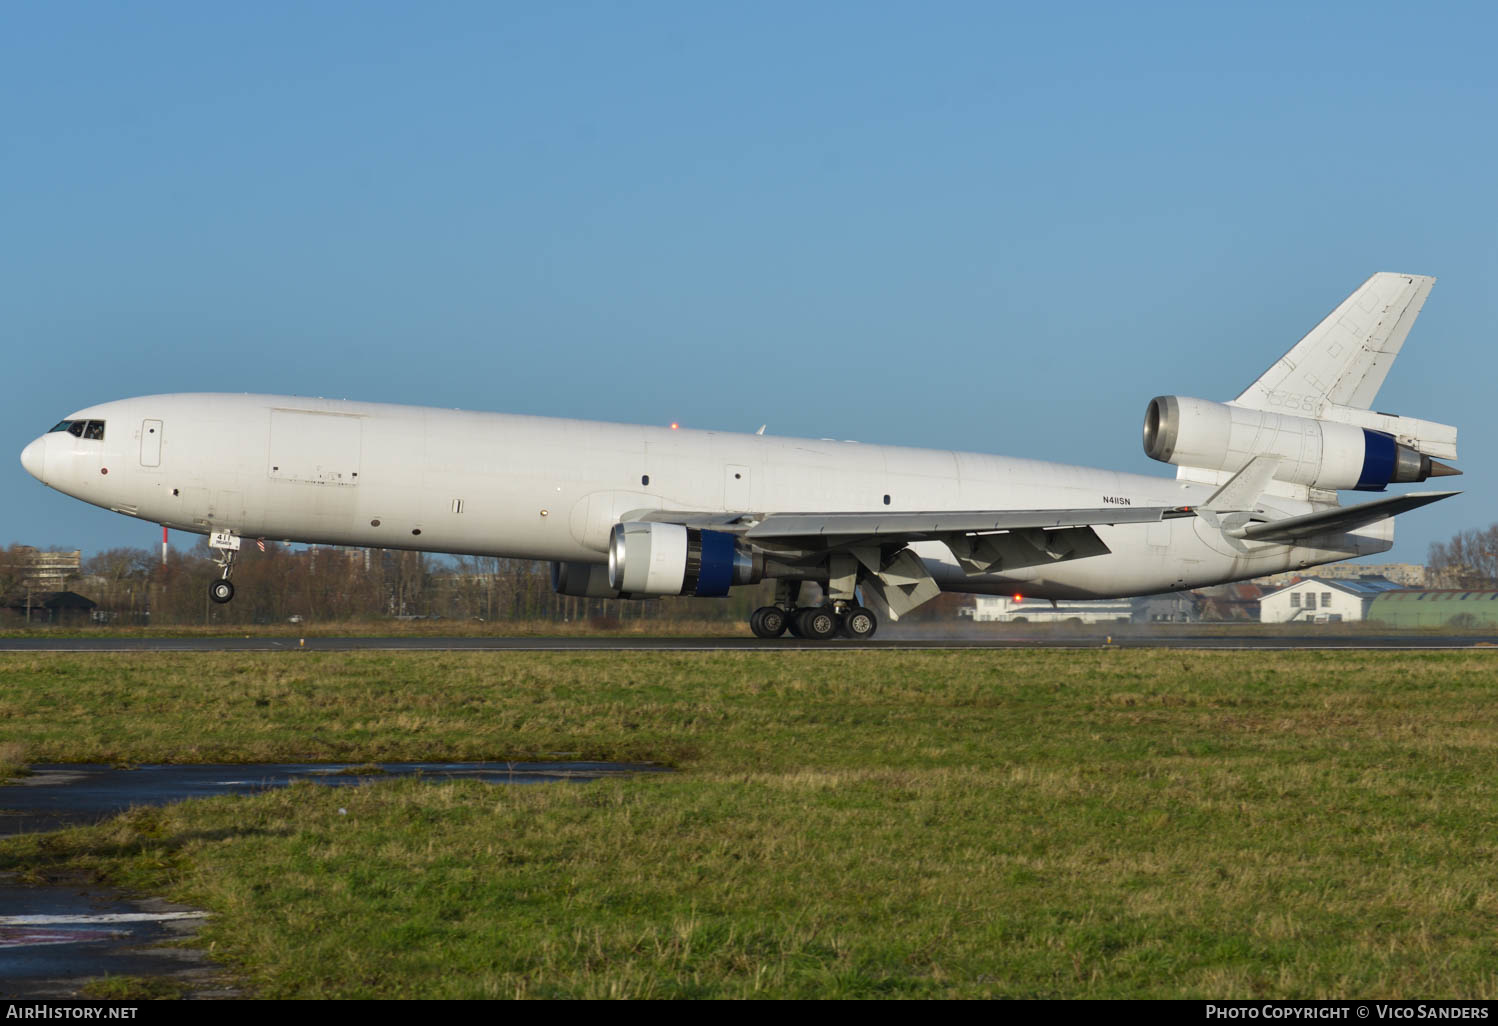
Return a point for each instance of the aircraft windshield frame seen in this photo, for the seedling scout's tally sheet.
(92, 430)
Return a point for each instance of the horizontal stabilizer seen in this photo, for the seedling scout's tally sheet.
(1337, 519)
(1424, 436)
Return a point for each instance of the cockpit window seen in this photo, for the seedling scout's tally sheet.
(93, 429)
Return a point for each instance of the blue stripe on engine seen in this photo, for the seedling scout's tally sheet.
(717, 564)
(1378, 461)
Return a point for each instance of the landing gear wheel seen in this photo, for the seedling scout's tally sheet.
(793, 623)
(859, 624)
(818, 623)
(221, 591)
(768, 622)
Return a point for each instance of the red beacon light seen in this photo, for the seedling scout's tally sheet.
(674, 425)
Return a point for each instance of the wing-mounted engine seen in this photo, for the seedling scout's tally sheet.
(1314, 452)
(652, 558)
(582, 580)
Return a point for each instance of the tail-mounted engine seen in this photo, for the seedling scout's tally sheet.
(648, 558)
(1318, 453)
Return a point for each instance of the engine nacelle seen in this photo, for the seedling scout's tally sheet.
(1319, 453)
(583, 580)
(648, 558)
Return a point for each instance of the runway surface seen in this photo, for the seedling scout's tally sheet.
(905, 640)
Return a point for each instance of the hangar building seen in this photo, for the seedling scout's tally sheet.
(1454, 608)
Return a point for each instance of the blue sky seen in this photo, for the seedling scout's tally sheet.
(977, 226)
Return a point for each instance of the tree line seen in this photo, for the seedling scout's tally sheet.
(131, 586)
(1468, 561)
(320, 584)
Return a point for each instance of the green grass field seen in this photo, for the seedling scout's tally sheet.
(840, 823)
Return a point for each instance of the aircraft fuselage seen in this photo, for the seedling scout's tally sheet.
(365, 474)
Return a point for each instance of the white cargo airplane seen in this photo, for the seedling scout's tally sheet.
(636, 512)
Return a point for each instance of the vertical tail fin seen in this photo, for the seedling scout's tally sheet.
(1345, 358)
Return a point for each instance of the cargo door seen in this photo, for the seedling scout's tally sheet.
(314, 471)
(315, 448)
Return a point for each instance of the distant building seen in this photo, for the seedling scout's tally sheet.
(47, 571)
(1323, 600)
(49, 606)
(1004, 609)
(1175, 607)
(1237, 602)
(1429, 608)
(1408, 575)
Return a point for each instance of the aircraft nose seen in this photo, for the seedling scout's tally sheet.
(33, 458)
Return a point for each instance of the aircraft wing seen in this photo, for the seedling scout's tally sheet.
(982, 541)
(1338, 518)
(842, 528)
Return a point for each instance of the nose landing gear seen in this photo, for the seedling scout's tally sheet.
(225, 545)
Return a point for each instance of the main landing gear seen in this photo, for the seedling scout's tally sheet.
(815, 623)
(769, 622)
(226, 547)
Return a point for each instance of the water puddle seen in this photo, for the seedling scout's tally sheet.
(59, 796)
(54, 938)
